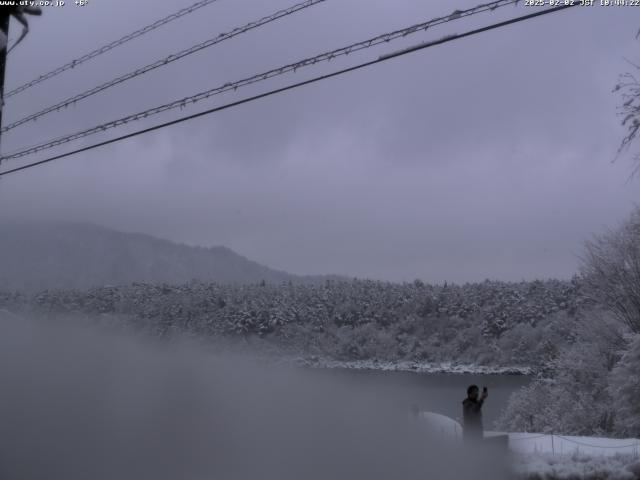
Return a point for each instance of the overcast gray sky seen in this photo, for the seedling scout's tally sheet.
(487, 157)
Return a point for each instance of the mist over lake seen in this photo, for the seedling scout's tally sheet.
(77, 403)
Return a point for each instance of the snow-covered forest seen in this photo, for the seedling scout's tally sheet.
(491, 323)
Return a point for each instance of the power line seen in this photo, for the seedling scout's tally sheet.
(164, 61)
(110, 46)
(292, 67)
(32, 145)
(380, 59)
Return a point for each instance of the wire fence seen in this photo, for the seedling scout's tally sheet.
(567, 445)
(536, 443)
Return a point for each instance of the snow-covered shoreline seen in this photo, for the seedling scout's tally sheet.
(409, 366)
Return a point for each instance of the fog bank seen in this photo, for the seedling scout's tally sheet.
(80, 403)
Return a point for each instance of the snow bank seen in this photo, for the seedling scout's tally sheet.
(441, 425)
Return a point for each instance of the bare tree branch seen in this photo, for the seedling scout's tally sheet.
(628, 87)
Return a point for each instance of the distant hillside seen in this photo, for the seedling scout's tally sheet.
(42, 256)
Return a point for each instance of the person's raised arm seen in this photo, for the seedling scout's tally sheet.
(484, 395)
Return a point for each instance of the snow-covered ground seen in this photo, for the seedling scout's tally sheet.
(410, 366)
(546, 466)
(544, 456)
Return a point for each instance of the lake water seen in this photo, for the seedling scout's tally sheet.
(436, 392)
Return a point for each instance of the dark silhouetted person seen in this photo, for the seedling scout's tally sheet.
(472, 413)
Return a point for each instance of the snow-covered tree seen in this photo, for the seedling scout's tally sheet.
(611, 270)
(573, 396)
(625, 391)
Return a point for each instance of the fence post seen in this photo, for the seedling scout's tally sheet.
(553, 448)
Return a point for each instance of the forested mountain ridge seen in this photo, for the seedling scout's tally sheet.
(38, 256)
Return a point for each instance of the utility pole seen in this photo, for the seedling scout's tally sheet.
(5, 16)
